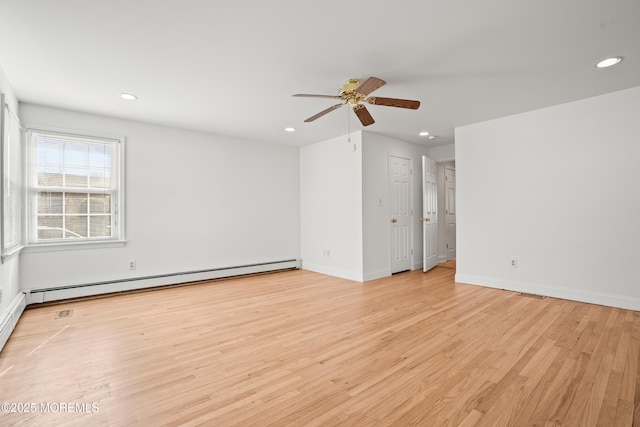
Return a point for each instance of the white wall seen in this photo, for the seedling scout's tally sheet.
(556, 188)
(442, 153)
(194, 201)
(9, 280)
(345, 205)
(331, 207)
(376, 150)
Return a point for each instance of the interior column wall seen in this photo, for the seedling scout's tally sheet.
(331, 206)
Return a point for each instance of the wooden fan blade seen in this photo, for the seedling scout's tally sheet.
(323, 112)
(363, 114)
(369, 85)
(393, 102)
(307, 95)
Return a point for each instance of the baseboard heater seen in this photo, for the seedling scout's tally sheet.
(35, 296)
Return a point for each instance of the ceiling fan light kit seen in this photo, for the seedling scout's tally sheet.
(356, 94)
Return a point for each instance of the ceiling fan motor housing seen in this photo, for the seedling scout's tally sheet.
(348, 92)
(350, 86)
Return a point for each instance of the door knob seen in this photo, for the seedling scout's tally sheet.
(425, 219)
(394, 220)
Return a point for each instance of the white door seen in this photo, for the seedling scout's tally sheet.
(429, 214)
(400, 201)
(450, 212)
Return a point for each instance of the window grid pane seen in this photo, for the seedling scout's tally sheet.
(76, 226)
(80, 215)
(74, 189)
(50, 227)
(100, 226)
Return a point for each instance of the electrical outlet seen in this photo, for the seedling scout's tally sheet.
(132, 264)
(514, 263)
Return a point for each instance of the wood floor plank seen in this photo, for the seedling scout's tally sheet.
(301, 348)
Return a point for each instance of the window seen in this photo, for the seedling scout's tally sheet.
(75, 188)
(11, 183)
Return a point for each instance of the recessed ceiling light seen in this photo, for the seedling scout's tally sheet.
(289, 129)
(424, 133)
(128, 96)
(609, 62)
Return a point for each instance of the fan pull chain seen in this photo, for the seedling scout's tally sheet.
(348, 125)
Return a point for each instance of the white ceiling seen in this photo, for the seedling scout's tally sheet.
(230, 66)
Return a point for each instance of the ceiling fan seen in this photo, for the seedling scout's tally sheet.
(353, 93)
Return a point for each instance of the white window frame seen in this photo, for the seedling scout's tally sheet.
(118, 193)
(11, 181)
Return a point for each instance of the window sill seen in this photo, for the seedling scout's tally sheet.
(74, 246)
(6, 256)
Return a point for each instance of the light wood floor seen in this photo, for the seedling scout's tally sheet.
(300, 348)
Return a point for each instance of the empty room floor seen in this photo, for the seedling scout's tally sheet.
(301, 348)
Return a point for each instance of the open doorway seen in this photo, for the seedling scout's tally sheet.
(446, 174)
(450, 212)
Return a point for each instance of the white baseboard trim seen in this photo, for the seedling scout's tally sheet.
(599, 298)
(358, 277)
(375, 275)
(10, 316)
(35, 296)
(366, 277)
